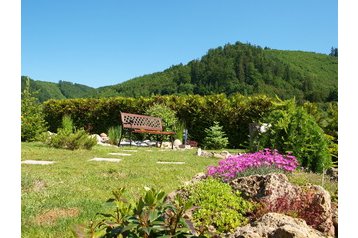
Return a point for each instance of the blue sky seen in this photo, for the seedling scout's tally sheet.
(100, 43)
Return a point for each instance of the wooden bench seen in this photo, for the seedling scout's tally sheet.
(135, 123)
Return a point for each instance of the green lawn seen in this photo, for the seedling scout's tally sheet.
(58, 196)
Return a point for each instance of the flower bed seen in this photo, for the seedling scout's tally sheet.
(230, 168)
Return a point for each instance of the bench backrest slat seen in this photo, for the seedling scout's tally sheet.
(136, 121)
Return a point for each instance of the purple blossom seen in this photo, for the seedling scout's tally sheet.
(229, 168)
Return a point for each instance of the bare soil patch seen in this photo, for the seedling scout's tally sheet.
(51, 216)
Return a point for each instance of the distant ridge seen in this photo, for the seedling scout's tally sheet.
(233, 68)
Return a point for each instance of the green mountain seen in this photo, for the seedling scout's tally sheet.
(233, 68)
(60, 90)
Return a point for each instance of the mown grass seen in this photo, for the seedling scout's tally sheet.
(56, 197)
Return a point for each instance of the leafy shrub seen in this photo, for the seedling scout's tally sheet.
(293, 129)
(167, 115)
(33, 123)
(114, 134)
(69, 138)
(215, 137)
(218, 206)
(233, 166)
(150, 216)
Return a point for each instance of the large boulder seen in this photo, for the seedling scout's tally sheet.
(313, 203)
(275, 225)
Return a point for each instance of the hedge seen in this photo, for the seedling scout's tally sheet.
(234, 113)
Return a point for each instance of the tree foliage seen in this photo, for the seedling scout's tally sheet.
(234, 68)
(292, 129)
(32, 117)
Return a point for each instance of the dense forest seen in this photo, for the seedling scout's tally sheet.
(234, 68)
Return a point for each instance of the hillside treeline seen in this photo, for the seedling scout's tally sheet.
(245, 69)
(233, 68)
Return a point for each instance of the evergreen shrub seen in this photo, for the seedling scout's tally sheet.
(215, 138)
(33, 123)
(68, 137)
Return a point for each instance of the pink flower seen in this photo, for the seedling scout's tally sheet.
(231, 166)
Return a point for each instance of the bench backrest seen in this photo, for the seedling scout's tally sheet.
(136, 121)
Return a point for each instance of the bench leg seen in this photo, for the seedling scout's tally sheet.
(172, 140)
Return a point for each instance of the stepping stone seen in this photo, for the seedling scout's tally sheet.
(167, 162)
(106, 159)
(149, 150)
(37, 162)
(130, 150)
(120, 154)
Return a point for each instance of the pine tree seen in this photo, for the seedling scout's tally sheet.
(215, 137)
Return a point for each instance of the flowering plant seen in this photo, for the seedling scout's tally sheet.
(230, 167)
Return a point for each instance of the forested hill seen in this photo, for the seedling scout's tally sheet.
(60, 90)
(240, 68)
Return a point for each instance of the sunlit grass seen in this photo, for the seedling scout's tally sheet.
(71, 191)
(73, 182)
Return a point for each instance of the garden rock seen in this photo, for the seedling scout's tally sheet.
(104, 137)
(275, 225)
(221, 155)
(98, 138)
(177, 143)
(335, 217)
(273, 188)
(333, 174)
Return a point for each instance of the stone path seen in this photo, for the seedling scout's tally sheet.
(168, 162)
(122, 154)
(106, 159)
(37, 162)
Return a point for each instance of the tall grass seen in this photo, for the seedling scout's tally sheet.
(114, 134)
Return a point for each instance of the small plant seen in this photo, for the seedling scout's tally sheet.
(233, 166)
(33, 123)
(150, 216)
(215, 137)
(218, 206)
(69, 138)
(179, 130)
(114, 134)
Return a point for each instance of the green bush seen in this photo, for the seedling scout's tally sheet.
(293, 129)
(215, 137)
(33, 123)
(69, 138)
(167, 115)
(114, 134)
(218, 206)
